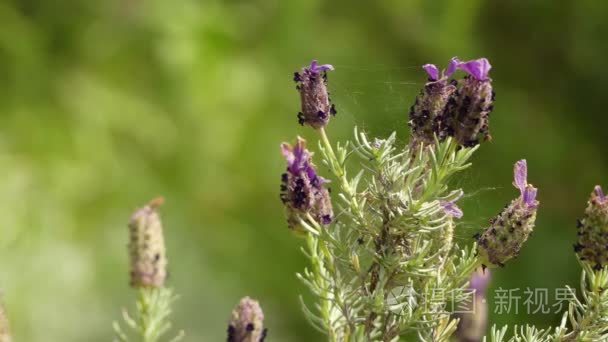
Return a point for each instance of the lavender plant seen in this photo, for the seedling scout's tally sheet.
(148, 274)
(383, 263)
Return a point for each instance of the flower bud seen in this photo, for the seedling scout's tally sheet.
(147, 247)
(5, 334)
(474, 320)
(302, 190)
(247, 322)
(592, 245)
(316, 106)
(425, 114)
(467, 112)
(508, 231)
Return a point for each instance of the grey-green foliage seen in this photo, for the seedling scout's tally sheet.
(152, 317)
(388, 268)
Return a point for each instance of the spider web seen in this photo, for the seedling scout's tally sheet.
(377, 99)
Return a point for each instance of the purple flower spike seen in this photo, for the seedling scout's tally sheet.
(302, 189)
(451, 209)
(521, 175)
(316, 106)
(509, 230)
(478, 68)
(316, 68)
(432, 71)
(600, 194)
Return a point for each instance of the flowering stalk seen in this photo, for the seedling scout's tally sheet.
(148, 275)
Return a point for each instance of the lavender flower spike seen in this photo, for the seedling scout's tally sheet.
(509, 230)
(302, 189)
(247, 322)
(466, 116)
(425, 114)
(316, 106)
(593, 231)
(147, 247)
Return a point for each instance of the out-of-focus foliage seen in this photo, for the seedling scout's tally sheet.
(106, 104)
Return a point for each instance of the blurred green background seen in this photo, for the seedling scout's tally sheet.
(107, 104)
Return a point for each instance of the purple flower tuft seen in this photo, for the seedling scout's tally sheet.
(316, 68)
(478, 68)
(432, 71)
(600, 194)
(297, 157)
(520, 171)
(528, 192)
(480, 281)
(452, 67)
(451, 209)
(529, 196)
(435, 74)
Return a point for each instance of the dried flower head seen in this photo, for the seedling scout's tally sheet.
(247, 322)
(312, 84)
(466, 115)
(425, 113)
(508, 231)
(302, 189)
(5, 334)
(147, 247)
(592, 245)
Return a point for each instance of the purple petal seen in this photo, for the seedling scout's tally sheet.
(480, 281)
(432, 71)
(520, 171)
(451, 209)
(529, 196)
(297, 156)
(452, 66)
(287, 153)
(600, 193)
(316, 68)
(478, 68)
